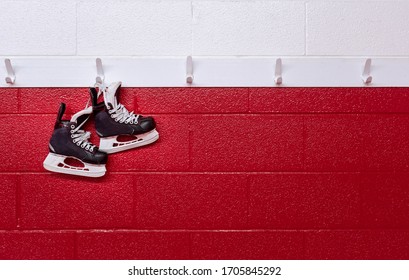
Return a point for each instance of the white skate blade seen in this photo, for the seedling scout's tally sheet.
(55, 163)
(112, 145)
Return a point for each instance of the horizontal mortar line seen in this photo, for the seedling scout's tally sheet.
(230, 114)
(289, 113)
(220, 172)
(165, 172)
(107, 230)
(312, 113)
(124, 230)
(328, 113)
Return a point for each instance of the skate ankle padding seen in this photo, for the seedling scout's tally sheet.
(94, 100)
(94, 96)
(61, 112)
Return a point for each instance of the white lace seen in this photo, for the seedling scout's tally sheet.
(121, 114)
(80, 137)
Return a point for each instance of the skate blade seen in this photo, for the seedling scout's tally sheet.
(55, 163)
(112, 145)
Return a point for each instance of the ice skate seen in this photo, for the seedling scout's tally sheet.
(118, 128)
(70, 151)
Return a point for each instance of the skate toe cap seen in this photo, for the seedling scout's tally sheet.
(147, 123)
(101, 157)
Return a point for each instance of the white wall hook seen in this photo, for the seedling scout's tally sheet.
(366, 74)
(11, 77)
(100, 72)
(278, 79)
(189, 70)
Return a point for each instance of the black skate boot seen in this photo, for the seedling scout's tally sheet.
(112, 120)
(68, 142)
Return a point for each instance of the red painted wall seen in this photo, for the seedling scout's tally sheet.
(238, 173)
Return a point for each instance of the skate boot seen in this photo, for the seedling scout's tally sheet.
(70, 151)
(119, 129)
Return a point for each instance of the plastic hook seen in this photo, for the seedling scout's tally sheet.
(366, 73)
(278, 79)
(11, 77)
(100, 72)
(189, 70)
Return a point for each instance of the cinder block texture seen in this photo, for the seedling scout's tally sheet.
(191, 201)
(357, 28)
(237, 173)
(351, 245)
(134, 28)
(38, 28)
(240, 143)
(50, 99)
(357, 142)
(294, 201)
(214, 28)
(9, 101)
(30, 131)
(169, 153)
(133, 245)
(60, 202)
(191, 100)
(385, 200)
(248, 28)
(39, 245)
(248, 245)
(8, 200)
(329, 100)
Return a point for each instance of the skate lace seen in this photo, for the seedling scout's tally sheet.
(80, 138)
(121, 114)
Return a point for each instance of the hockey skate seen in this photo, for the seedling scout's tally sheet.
(113, 122)
(70, 151)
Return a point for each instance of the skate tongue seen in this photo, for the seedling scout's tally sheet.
(82, 116)
(111, 94)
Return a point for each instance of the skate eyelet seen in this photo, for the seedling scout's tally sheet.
(72, 136)
(72, 126)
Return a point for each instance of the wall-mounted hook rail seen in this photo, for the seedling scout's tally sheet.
(366, 73)
(100, 72)
(208, 71)
(278, 78)
(11, 77)
(189, 70)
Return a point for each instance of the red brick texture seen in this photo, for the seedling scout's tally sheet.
(238, 173)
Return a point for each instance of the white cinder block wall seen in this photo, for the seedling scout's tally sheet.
(204, 28)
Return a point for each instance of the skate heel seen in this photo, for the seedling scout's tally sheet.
(57, 163)
(112, 145)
